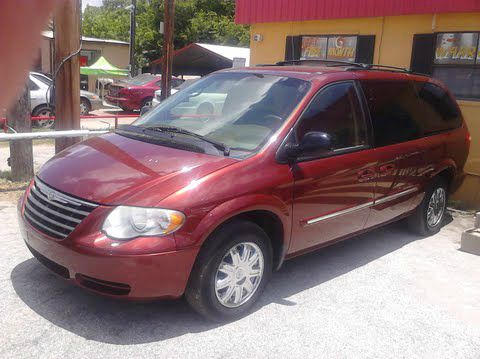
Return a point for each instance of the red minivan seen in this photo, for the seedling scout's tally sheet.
(208, 203)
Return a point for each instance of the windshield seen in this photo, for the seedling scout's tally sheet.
(239, 110)
(141, 80)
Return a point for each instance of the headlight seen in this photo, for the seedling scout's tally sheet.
(131, 222)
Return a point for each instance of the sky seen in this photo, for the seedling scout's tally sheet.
(91, 2)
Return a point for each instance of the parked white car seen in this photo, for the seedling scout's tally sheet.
(38, 85)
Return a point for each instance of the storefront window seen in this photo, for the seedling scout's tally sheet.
(342, 48)
(88, 57)
(457, 63)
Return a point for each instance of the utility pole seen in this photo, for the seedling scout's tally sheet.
(169, 16)
(133, 14)
(67, 82)
(21, 153)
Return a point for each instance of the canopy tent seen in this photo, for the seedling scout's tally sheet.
(201, 59)
(103, 68)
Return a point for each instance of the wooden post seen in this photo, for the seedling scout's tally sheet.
(21, 153)
(169, 16)
(67, 82)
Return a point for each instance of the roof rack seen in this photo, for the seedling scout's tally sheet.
(318, 61)
(383, 67)
(350, 66)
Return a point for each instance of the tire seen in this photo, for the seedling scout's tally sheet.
(144, 110)
(85, 106)
(427, 223)
(43, 110)
(204, 290)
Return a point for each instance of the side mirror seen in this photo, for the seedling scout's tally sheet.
(311, 142)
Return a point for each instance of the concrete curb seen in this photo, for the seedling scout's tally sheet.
(471, 238)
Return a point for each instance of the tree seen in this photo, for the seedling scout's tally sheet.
(210, 21)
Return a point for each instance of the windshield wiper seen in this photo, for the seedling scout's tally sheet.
(173, 129)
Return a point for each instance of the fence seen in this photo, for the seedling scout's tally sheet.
(4, 123)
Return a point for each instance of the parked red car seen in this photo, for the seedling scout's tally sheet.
(286, 160)
(134, 93)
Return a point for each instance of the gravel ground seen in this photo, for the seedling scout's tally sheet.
(385, 294)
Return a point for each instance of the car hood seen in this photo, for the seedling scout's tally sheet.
(113, 169)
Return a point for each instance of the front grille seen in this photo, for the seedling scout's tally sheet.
(53, 212)
(114, 90)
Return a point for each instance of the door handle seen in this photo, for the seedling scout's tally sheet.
(386, 170)
(366, 175)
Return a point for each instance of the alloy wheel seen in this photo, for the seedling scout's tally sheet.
(239, 274)
(436, 207)
(45, 123)
(83, 108)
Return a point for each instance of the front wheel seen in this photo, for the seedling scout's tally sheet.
(85, 107)
(231, 271)
(429, 215)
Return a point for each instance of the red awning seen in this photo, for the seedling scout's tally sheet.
(255, 11)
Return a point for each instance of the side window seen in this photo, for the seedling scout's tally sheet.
(395, 111)
(335, 110)
(441, 112)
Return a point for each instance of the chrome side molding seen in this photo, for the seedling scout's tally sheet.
(362, 206)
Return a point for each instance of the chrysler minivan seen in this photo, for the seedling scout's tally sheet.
(293, 157)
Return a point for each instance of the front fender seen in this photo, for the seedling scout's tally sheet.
(234, 207)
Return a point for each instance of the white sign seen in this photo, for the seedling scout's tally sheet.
(239, 62)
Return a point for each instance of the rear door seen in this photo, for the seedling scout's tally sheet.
(395, 115)
(333, 189)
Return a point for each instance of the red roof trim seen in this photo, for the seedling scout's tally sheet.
(256, 11)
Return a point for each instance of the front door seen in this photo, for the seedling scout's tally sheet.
(333, 188)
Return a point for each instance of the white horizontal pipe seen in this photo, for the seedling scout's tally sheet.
(5, 137)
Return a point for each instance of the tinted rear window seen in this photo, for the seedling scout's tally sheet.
(441, 111)
(394, 109)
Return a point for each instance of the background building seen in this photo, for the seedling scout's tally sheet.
(116, 52)
(436, 37)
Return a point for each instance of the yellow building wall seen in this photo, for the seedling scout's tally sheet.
(393, 45)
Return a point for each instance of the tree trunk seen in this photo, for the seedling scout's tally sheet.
(21, 152)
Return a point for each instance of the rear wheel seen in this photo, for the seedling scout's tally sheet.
(43, 111)
(429, 215)
(231, 271)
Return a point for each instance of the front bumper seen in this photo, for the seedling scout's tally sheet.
(122, 102)
(132, 276)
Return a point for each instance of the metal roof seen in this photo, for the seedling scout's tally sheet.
(229, 52)
(201, 59)
(49, 34)
(256, 11)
